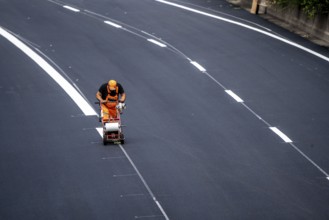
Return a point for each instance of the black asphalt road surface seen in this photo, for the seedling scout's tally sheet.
(201, 154)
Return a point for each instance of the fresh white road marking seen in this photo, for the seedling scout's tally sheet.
(62, 82)
(289, 141)
(145, 183)
(100, 131)
(113, 24)
(233, 95)
(71, 8)
(201, 68)
(310, 160)
(281, 135)
(157, 43)
(246, 26)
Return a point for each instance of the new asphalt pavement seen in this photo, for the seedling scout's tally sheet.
(207, 85)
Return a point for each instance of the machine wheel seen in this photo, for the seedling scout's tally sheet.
(104, 140)
(122, 137)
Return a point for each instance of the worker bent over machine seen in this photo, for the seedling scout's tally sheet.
(111, 98)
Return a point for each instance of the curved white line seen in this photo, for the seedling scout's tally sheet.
(62, 82)
(248, 27)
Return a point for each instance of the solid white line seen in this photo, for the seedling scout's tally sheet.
(248, 27)
(198, 66)
(157, 43)
(71, 8)
(233, 95)
(62, 82)
(281, 135)
(219, 12)
(100, 131)
(113, 24)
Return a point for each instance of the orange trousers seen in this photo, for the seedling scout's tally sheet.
(109, 110)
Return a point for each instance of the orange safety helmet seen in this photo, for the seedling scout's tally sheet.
(112, 84)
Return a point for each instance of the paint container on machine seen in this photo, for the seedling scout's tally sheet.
(111, 127)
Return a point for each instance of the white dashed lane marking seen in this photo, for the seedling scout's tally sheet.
(113, 24)
(157, 43)
(281, 135)
(198, 66)
(233, 95)
(71, 8)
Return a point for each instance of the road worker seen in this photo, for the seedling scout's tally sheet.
(109, 95)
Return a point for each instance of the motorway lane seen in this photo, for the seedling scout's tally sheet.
(281, 88)
(285, 85)
(52, 162)
(239, 170)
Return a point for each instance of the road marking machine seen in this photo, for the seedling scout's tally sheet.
(112, 128)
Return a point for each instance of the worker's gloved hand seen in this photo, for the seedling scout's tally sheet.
(121, 106)
(103, 101)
